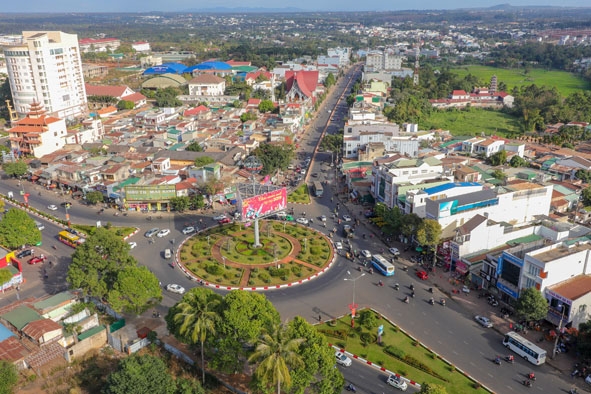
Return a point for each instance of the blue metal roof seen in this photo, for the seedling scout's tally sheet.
(5, 333)
(170, 68)
(210, 66)
(448, 186)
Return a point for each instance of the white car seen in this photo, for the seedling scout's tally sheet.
(302, 220)
(175, 289)
(366, 253)
(52, 207)
(394, 251)
(397, 382)
(303, 172)
(342, 359)
(219, 217)
(323, 218)
(132, 245)
(338, 246)
(483, 321)
(163, 233)
(150, 233)
(188, 230)
(347, 218)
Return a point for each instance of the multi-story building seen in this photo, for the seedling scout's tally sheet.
(99, 44)
(383, 60)
(46, 67)
(357, 138)
(344, 54)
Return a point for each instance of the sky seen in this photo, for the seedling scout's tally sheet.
(306, 5)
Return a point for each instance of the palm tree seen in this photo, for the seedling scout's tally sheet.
(197, 317)
(277, 353)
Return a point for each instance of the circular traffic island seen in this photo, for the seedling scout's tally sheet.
(225, 256)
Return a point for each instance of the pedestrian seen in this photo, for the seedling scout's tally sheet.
(320, 318)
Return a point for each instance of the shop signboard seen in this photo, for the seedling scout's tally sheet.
(263, 204)
(150, 193)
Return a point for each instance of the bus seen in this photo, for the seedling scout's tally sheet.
(524, 348)
(317, 186)
(381, 264)
(70, 239)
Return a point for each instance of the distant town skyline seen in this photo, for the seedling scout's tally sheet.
(60, 6)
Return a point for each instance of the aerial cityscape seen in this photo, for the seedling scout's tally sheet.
(319, 198)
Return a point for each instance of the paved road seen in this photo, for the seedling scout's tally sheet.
(448, 331)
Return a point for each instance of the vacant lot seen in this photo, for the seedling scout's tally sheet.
(565, 82)
(473, 121)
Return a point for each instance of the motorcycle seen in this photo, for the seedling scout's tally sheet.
(406, 299)
(396, 286)
(412, 287)
(412, 294)
(352, 388)
(531, 376)
(442, 302)
(497, 360)
(510, 359)
(431, 290)
(527, 383)
(432, 301)
(380, 283)
(54, 247)
(573, 391)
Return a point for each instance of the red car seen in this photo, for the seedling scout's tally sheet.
(422, 275)
(37, 260)
(224, 221)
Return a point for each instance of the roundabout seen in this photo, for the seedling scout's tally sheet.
(224, 256)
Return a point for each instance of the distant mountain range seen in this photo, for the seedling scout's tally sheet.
(226, 10)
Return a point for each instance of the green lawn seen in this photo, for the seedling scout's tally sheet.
(362, 342)
(89, 230)
(300, 195)
(472, 121)
(565, 82)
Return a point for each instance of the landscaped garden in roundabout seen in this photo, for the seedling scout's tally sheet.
(225, 255)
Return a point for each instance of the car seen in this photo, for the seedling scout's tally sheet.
(466, 289)
(394, 251)
(163, 233)
(24, 253)
(224, 220)
(342, 359)
(167, 253)
(66, 204)
(290, 167)
(150, 233)
(338, 245)
(347, 218)
(303, 172)
(483, 321)
(174, 288)
(188, 230)
(422, 275)
(132, 245)
(302, 221)
(366, 253)
(52, 207)
(314, 175)
(219, 217)
(323, 218)
(289, 218)
(397, 382)
(37, 259)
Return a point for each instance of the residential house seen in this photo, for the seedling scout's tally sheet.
(207, 85)
(487, 147)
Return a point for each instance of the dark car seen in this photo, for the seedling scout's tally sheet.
(24, 253)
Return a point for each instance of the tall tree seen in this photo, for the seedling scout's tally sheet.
(274, 156)
(531, 304)
(429, 235)
(135, 290)
(8, 377)
(195, 317)
(15, 169)
(194, 147)
(17, 228)
(140, 375)
(180, 204)
(276, 353)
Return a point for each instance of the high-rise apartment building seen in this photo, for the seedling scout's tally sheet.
(45, 67)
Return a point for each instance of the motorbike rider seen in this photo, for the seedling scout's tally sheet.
(510, 358)
(406, 299)
(412, 294)
(431, 301)
(443, 301)
(531, 376)
(498, 360)
(380, 283)
(527, 383)
(396, 286)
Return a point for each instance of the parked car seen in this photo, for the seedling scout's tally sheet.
(342, 359)
(174, 288)
(483, 321)
(37, 259)
(394, 251)
(163, 233)
(150, 233)
(397, 382)
(188, 230)
(24, 253)
(347, 218)
(302, 221)
(224, 220)
(52, 207)
(219, 217)
(422, 275)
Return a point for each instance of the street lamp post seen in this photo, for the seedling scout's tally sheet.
(224, 261)
(562, 308)
(67, 214)
(353, 306)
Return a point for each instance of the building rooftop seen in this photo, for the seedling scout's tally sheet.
(21, 316)
(560, 252)
(573, 288)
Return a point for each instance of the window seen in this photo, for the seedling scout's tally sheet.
(582, 308)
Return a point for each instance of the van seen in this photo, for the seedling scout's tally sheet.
(39, 225)
(167, 253)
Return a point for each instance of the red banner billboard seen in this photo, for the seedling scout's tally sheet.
(264, 204)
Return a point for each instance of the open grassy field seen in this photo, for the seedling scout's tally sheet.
(565, 82)
(472, 121)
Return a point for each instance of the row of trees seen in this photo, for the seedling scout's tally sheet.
(243, 327)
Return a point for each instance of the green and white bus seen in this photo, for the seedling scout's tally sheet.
(317, 188)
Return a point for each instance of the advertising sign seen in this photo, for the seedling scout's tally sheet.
(150, 193)
(261, 205)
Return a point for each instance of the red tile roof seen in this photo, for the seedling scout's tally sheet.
(135, 97)
(196, 110)
(306, 80)
(459, 93)
(105, 90)
(207, 79)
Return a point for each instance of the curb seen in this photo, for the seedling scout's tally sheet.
(195, 278)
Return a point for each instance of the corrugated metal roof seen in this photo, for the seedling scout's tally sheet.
(21, 316)
(54, 300)
(91, 332)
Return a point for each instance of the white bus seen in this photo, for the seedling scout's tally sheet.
(530, 352)
(382, 265)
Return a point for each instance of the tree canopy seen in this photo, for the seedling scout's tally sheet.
(194, 147)
(332, 142)
(94, 197)
(17, 228)
(274, 156)
(102, 267)
(430, 388)
(139, 375)
(8, 377)
(15, 169)
(180, 203)
(167, 97)
(203, 161)
(266, 106)
(531, 304)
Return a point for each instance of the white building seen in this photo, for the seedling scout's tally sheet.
(46, 67)
(357, 137)
(141, 46)
(416, 200)
(207, 85)
(488, 147)
(344, 55)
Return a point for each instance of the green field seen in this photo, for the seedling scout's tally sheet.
(565, 82)
(472, 121)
